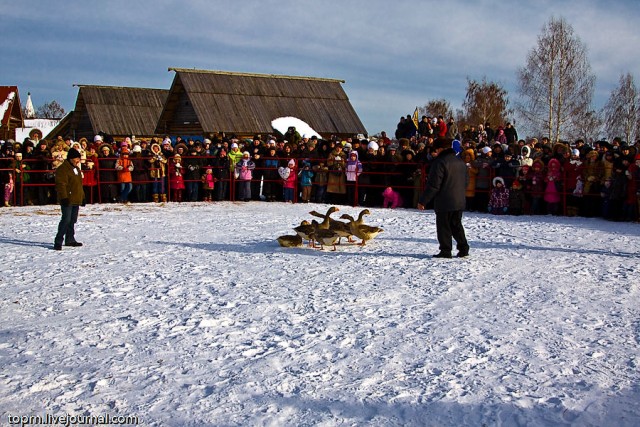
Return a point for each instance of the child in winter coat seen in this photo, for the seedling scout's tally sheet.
(8, 188)
(516, 198)
(553, 187)
(320, 182)
(244, 174)
(306, 181)
(289, 177)
(352, 171)
(208, 184)
(392, 198)
(124, 167)
(498, 197)
(535, 186)
(176, 180)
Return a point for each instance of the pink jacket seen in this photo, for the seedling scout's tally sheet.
(392, 199)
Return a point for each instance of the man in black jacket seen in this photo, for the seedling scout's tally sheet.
(446, 186)
(70, 195)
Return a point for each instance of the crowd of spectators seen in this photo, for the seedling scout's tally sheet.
(507, 175)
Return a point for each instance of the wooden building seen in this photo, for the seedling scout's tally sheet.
(111, 110)
(10, 112)
(204, 103)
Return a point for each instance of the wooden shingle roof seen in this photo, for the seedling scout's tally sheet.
(117, 111)
(243, 103)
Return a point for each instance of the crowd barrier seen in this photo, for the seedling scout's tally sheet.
(407, 177)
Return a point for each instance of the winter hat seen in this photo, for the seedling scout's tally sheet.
(137, 149)
(73, 154)
(497, 180)
(457, 146)
(234, 145)
(575, 152)
(246, 154)
(97, 138)
(373, 145)
(291, 163)
(485, 150)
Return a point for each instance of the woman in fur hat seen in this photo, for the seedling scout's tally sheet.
(157, 172)
(107, 174)
(337, 180)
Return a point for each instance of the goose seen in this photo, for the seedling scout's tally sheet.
(326, 223)
(324, 236)
(360, 220)
(290, 241)
(339, 227)
(305, 230)
(326, 216)
(362, 231)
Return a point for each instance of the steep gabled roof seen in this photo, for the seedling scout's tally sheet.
(244, 103)
(10, 111)
(117, 110)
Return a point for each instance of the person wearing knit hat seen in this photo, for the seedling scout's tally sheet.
(243, 172)
(446, 187)
(70, 195)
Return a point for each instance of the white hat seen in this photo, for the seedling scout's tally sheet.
(485, 150)
(246, 153)
(272, 142)
(234, 145)
(575, 152)
(373, 145)
(137, 148)
(97, 138)
(291, 162)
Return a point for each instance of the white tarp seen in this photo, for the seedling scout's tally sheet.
(282, 124)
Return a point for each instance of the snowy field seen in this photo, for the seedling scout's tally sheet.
(192, 315)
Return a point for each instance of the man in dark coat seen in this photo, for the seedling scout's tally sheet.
(446, 186)
(70, 195)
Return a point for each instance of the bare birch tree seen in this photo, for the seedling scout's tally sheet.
(622, 110)
(485, 102)
(556, 85)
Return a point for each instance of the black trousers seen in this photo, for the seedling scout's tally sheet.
(448, 226)
(66, 227)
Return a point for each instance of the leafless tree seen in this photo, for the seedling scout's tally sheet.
(485, 102)
(588, 127)
(556, 85)
(50, 110)
(622, 110)
(437, 107)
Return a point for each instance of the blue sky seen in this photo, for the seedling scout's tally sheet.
(394, 56)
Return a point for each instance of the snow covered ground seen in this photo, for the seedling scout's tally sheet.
(191, 314)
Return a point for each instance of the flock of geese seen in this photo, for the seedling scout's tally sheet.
(329, 232)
